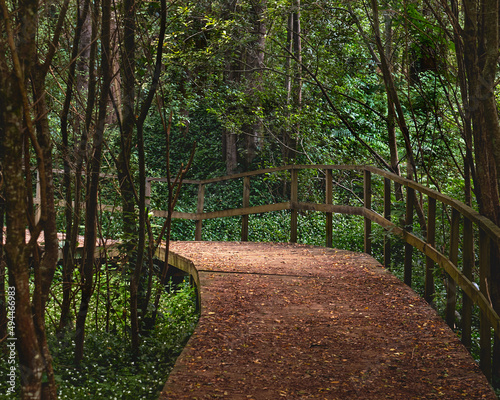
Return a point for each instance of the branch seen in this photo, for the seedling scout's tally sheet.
(55, 40)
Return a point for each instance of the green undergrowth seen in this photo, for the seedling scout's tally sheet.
(108, 370)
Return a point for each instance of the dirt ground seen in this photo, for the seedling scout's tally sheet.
(298, 322)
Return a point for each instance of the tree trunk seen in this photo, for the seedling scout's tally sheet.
(30, 358)
(293, 81)
(391, 114)
(137, 300)
(255, 64)
(44, 271)
(34, 356)
(93, 176)
(79, 61)
(481, 43)
(230, 151)
(127, 127)
(289, 142)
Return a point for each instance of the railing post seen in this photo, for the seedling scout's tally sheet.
(431, 240)
(294, 198)
(387, 216)
(148, 193)
(199, 210)
(410, 195)
(246, 203)
(468, 263)
(484, 325)
(368, 204)
(451, 286)
(329, 200)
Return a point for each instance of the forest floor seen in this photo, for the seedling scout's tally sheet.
(297, 322)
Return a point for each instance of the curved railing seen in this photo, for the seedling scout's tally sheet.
(474, 267)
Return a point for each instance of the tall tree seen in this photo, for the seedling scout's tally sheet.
(127, 126)
(480, 37)
(254, 67)
(21, 133)
(93, 172)
(73, 164)
(293, 81)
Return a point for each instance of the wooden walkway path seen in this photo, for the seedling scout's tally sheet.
(298, 322)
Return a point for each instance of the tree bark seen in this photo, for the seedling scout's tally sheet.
(45, 269)
(93, 176)
(137, 300)
(481, 43)
(255, 64)
(74, 81)
(34, 356)
(127, 127)
(30, 357)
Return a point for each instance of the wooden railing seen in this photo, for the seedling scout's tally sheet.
(475, 265)
(463, 218)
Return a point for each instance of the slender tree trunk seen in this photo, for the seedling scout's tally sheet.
(293, 81)
(93, 176)
(135, 298)
(392, 93)
(30, 357)
(71, 197)
(465, 112)
(133, 236)
(297, 50)
(255, 64)
(230, 151)
(127, 127)
(289, 143)
(391, 114)
(44, 271)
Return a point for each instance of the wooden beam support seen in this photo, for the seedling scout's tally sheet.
(451, 286)
(410, 199)
(329, 200)
(367, 199)
(431, 240)
(468, 264)
(148, 193)
(199, 210)
(246, 203)
(387, 216)
(294, 200)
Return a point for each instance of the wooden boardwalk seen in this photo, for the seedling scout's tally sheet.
(284, 321)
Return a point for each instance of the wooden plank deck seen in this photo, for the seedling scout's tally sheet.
(297, 322)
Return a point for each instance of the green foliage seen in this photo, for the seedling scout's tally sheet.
(204, 130)
(108, 370)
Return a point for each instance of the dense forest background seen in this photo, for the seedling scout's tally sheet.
(94, 90)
